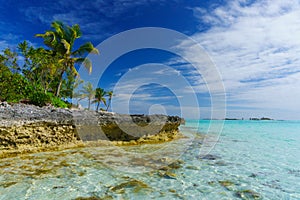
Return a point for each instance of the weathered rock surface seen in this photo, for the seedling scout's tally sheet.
(25, 126)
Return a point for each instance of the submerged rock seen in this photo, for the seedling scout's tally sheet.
(176, 164)
(8, 184)
(192, 167)
(172, 190)
(253, 175)
(226, 183)
(209, 157)
(248, 194)
(211, 183)
(89, 198)
(134, 184)
(295, 172)
(167, 175)
(220, 163)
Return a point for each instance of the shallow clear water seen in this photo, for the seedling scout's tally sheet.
(251, 160)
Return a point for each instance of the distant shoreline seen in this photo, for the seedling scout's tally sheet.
(252, 119)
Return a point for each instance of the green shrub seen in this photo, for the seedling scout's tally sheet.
(39, 98)
(12, 85)
(56, 101)
(15, 88)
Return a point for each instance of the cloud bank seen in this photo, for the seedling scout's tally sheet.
(256, 47)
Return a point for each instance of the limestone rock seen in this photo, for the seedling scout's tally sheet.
(27, 125)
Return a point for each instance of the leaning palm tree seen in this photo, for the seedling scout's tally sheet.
(100, 97)
(110, 95)
(89, 93)
(61, 41)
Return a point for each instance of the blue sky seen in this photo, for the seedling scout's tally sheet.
(255, 45)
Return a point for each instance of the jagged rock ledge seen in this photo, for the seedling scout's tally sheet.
(27, 128)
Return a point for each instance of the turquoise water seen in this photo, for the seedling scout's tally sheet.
(250, 160)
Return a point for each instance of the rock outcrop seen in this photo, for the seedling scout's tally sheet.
(26, 126)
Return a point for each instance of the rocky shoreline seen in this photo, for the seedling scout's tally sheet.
(28, 128)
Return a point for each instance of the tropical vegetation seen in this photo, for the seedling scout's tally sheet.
(100, 97)
(48, 75)
(110, 94)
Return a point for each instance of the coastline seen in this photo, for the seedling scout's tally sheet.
(28, 129)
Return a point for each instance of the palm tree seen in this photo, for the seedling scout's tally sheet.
(110, 95)
(76, 93)
(88, 92)
(100, 97)
(61, 41)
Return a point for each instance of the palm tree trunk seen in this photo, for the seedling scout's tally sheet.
(98, 106)
(108, 104)
(89, 106)
(60, 83)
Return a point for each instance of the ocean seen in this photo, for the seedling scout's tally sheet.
(246, 160)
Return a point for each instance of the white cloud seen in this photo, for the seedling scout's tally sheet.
(256, 48)
(3, 44)
(155, 77)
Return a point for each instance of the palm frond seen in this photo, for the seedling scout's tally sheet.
(94, 101)
(76, 31)
(66, 45)
(23, 46)
(104, 101)
(85, 48)
(74, 71)
(49, 38)
(46, 34)
(86, 63)
(59, 28)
